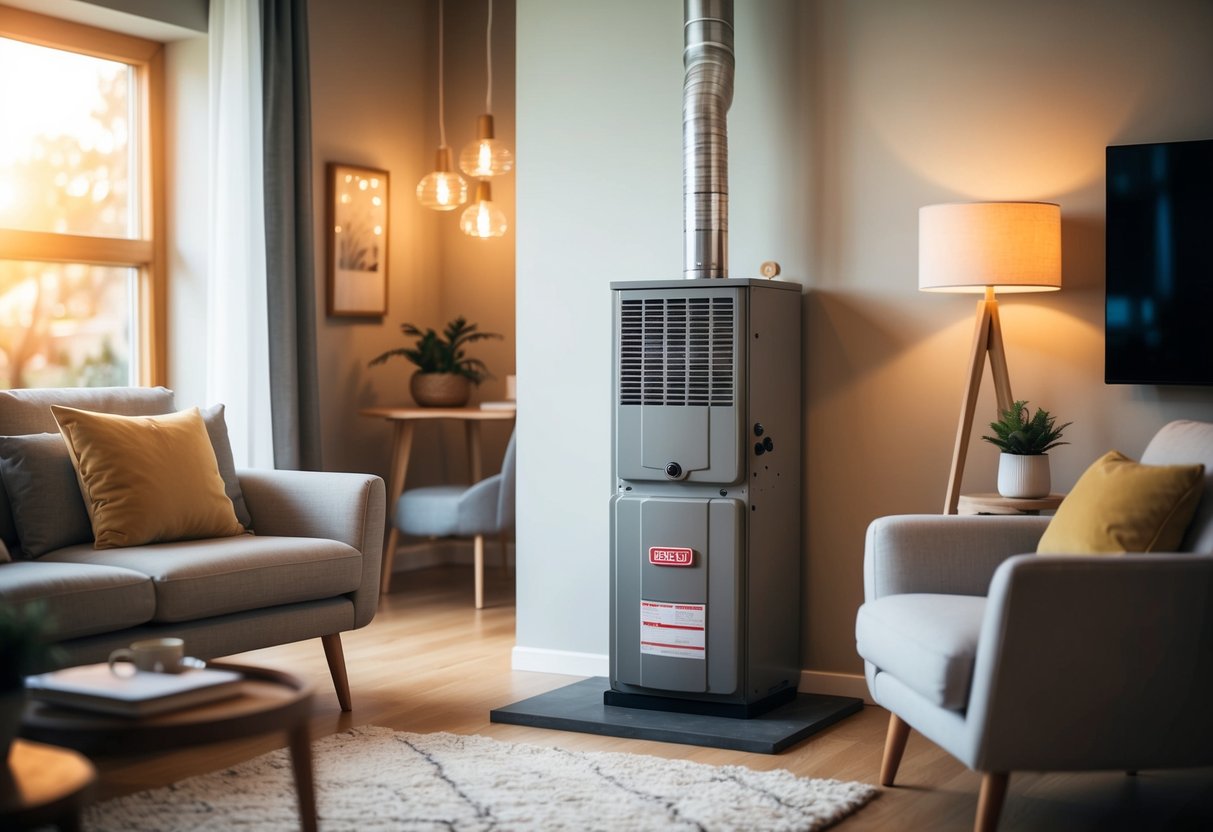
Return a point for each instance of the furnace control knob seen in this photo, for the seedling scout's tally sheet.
(768, 444)
(673, 470)
(759, 430)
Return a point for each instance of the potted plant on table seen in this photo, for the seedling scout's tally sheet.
(24, 649)
(1023, 465)
(445, 373)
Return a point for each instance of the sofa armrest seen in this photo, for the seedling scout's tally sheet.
(349, 508)
(1109, 658)
(942, 553)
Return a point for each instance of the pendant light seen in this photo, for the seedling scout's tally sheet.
(444, 189)
(482, 218)
(486, 156)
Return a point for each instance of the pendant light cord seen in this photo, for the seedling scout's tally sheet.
(441, 112)
(488, 61)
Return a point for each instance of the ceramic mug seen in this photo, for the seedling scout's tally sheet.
(160, 655)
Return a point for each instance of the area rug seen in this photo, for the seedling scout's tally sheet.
(374, 778)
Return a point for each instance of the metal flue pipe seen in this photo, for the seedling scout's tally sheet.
(707, 93)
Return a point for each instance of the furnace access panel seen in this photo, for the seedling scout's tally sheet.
(706, 515)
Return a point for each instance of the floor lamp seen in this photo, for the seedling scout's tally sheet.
(984, 247)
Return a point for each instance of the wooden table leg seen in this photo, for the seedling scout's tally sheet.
(402, 448)
(474, 466)
(305, 785)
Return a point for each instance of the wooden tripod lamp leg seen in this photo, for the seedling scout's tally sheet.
(987, 338)
(977, 362)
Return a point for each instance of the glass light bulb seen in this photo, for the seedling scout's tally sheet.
(442, 190)
(485, 157)
(483, 219)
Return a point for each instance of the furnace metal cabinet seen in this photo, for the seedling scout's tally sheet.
(706, 514)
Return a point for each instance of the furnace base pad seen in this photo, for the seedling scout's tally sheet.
(579, 707)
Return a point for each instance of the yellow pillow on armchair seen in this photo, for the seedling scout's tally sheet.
(1119, 505)
(147, 479)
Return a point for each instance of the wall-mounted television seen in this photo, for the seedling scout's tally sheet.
(1158, 302)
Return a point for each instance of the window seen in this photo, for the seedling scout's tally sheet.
(82, 299)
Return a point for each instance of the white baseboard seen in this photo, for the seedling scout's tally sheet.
(570, 663)
(427, 553)
(564, 662)
(834, 684)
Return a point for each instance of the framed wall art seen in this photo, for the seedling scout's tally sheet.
(357, 212)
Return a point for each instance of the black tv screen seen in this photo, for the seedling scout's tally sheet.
(1158, 302)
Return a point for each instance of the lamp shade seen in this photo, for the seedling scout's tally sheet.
(1007, 246)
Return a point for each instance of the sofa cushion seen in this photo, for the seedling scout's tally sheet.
(147, 478)
(202, 578)
(927, 641)
(48, 511)
(1119, 505)
(81, 599)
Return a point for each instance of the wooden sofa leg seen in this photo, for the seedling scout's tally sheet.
(989, 800)
(478, 558)
(336, 659)
(894, 747)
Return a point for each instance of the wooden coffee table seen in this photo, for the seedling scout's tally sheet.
(269, 701)
(43, 784)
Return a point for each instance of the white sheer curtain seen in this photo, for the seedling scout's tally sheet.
(237, 348)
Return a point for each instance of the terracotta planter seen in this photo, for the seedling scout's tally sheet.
(440, 389)
(1025, 476)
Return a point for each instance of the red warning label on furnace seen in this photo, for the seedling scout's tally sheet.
(674, 630)
(671, 556)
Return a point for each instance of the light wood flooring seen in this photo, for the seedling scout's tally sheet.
(430, 662)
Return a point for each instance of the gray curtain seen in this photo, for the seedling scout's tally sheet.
(290, 266)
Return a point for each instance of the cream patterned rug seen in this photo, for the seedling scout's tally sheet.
(374, 778)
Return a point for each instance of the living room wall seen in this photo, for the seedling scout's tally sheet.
(374, 103)
(848, 117)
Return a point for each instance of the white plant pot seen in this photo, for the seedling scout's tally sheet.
(1025, 476)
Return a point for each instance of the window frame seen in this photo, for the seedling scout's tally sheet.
(147, 255)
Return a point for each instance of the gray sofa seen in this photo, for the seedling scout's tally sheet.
(310, 569)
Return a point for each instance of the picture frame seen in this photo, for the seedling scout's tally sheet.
(357, 214)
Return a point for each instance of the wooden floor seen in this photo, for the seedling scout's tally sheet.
(430, 662)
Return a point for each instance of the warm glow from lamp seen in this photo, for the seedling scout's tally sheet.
(482, 218)
(442, 190)
(485, 156)
(1007, 246)
(986, 247)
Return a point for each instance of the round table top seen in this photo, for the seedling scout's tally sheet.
(269, 700)
(994, 503)
(474, 414)
(41, 783)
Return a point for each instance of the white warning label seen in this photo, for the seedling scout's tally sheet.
(676, 630)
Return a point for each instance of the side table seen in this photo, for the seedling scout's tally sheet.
(269, 701)
(998, 504)
(44, 785)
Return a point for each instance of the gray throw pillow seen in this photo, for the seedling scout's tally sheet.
(216, 429)
(48, 510)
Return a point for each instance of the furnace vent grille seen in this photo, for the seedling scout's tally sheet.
(676, 351)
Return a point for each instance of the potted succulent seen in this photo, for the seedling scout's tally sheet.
(23, 650)
(444, 371)
(1023, 465)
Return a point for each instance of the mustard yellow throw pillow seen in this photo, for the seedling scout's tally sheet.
(1119, 505)
(146, 479)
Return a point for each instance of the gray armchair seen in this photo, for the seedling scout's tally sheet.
(485, 508)
(1021, 662)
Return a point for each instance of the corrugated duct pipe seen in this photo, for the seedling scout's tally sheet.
(707, 93)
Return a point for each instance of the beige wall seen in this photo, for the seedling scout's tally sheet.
(848, 117)
(374, 103)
